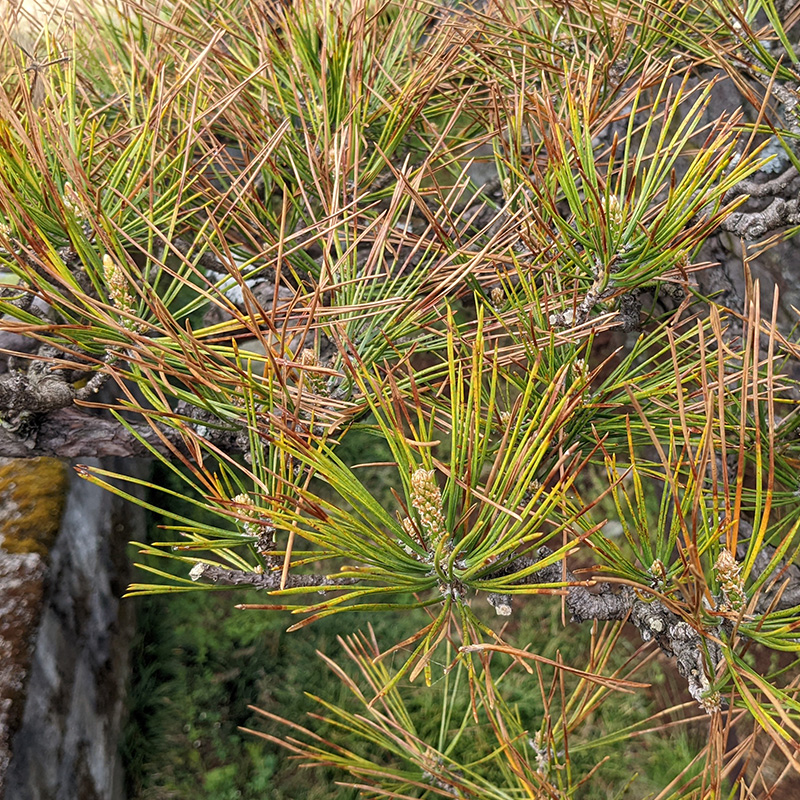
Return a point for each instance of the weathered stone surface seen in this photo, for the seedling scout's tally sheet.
(32, 494)
(21, 576)
(66, 745)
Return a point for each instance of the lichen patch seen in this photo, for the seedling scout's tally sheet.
(32, 496)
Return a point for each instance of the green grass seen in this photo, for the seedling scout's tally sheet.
(198, 664)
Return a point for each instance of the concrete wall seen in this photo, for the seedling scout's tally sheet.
(69, 716)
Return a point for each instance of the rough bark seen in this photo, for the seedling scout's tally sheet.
(75, 433)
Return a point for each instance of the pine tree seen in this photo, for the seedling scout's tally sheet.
(501, 240)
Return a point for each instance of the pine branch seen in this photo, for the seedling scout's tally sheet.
(268, 581)
(76, 433)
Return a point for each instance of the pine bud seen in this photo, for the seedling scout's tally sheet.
(117, 283)
(711, 702)
(614, 212)
(427, 500)
(308, 358)
(408, 527)
(658, 573)
(260, 526)
(498, 297)
(71, 200)
(728, 571)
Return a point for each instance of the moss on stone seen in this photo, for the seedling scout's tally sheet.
(32, 496)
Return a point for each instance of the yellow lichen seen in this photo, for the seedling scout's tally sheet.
(32, 496)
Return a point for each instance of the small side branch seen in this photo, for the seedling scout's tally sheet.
(74, 433)
(751, 225)
(268, 581)
(653, 620)
(37, 390)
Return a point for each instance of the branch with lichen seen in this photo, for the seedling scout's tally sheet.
(753, 225)
(40, 388)
(268, 581)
